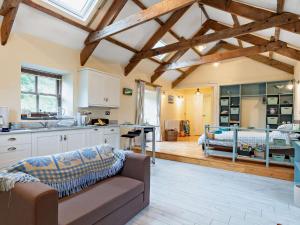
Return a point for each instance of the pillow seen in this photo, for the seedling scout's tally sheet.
(288, 126)
(70, 172)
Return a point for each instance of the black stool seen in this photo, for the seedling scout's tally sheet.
(131, 135)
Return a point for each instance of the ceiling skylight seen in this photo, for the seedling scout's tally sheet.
(158, 45)
(80, 9)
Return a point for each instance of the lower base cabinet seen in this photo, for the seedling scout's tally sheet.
(16, 147)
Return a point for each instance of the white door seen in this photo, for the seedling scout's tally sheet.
(95, 137)
(112, 140)
(96, 89)
(207, 110)
(74, 140)
(47, 143)
(112, 91)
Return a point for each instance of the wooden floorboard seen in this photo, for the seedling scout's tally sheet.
(187, 194)
(188, 151)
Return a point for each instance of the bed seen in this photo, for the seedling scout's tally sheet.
(223, 140)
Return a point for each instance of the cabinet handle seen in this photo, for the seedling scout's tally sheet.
(12, 139)
(105, 141)
(12, 149)
(61, 138)
(112, 130)
(95, 129)
(65, 137)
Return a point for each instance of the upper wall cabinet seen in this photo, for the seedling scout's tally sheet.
(98, 89)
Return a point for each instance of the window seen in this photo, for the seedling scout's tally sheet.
(158, 45)
(40, 93)
(78, 8)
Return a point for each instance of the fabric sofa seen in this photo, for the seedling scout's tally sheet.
(113, 201)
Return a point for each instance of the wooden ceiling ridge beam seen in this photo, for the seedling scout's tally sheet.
(265, 60)
(219, 35)
(9, 10)
(158, 35)
(255, 40)
(271, 46)
(154, 11)
(251, 12)
(205, 27)
(190, 70)
(107, 19)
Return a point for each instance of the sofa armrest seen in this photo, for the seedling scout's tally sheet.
(29, 204)
(137, 166)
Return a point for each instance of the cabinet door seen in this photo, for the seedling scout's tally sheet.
(112, 91)
(47, 143)
(113, 140)
(74, 140)
(95, 137)
(96, 89)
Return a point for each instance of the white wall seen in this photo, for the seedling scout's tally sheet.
(297, 92)
(238, 71)
(22, 48)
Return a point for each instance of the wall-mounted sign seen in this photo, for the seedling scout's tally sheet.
(127, 91)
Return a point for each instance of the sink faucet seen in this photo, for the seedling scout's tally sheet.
(44, 124)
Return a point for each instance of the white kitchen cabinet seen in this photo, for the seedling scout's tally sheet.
(14, 147)
(98, 89)
(112, 137)
(47, 143)
(73, 140)
(95, 137)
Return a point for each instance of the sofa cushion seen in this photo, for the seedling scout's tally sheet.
(97, 201)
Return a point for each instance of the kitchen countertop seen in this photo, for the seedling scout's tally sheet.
(52, 129)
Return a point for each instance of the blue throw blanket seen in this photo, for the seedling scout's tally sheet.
(70, 172)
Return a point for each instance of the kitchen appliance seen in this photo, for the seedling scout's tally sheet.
(4, 114)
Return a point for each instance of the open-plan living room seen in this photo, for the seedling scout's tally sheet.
(150, 112)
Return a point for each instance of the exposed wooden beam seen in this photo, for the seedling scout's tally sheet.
(265, 60)
(10, 9)
(203, 10)
(193, 68)
(250, 12)
(108, 19)
(150, 13)
(7, 5)
(160, 22)
(158, 35)
(205, 27)
(228, 33)
(255, 40)
(272, 46)
(280, 6)
(236, 23)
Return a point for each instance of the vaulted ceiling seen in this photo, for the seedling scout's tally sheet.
(193, 31)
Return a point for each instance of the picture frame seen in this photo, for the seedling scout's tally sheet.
(127, 91)
(170, 99)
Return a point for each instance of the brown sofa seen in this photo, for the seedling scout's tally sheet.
(113, 201)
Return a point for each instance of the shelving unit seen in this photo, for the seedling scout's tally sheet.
(277, 112)
(280, 105)
(230, 102)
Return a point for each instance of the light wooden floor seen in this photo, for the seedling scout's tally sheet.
(187, 150)
(186, 194)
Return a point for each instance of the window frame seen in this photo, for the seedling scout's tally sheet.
(83, 14)
(37, 94)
